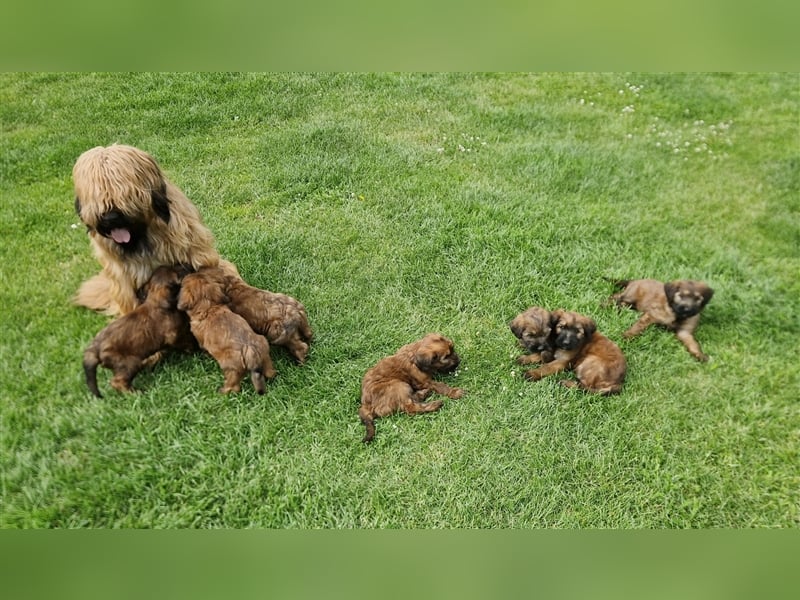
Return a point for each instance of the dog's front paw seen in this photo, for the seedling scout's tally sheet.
(456, 393)
(532, 375)
(701, 357)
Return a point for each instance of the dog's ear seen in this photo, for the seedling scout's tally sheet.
(141, 293)
(423, 360)
(589, 328)
(555, 317)
(706, 292)
(183, 269)
(77, 206)
(516, 328)
(670, 289)
(186, 296)
(161, 202)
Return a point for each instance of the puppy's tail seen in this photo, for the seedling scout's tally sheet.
(91, 359)
(366, 419)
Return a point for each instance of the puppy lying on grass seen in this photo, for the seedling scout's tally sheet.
(402, 381)
(675, 305)
(598, 363)
(534, 330)
(125, 344)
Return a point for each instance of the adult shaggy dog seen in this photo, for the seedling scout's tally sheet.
(137, 221)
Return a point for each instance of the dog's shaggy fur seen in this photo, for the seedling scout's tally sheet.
(402, 381)
(137, 220)
(675, 305)
(598, 363)
(125, 344)
(280, 318)
(224, 334)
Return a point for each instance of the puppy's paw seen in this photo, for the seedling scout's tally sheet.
(456, 393)
(532, 375)
(420, 395)
(527, 359)
(701, 357)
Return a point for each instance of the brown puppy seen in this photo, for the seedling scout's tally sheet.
(137, 220)
(534, 330)
(278, 317)
(224, 334)
(598, 362)
(402, 381)
(675, 305)
(125, 344)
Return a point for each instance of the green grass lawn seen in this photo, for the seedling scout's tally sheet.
(393, 205)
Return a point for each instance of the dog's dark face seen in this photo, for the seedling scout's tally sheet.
(435, 354)
(572, 330)
(533, 328)
(686, 297)
(128, 232)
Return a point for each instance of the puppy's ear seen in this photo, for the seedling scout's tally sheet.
(706, 292)
(161, 202)
(186, 297)
(670, 289)
(555, 317)
(589, 327)
(423, 360)
(183, 269)
(516, 329)
(141, 293)
(77, 206)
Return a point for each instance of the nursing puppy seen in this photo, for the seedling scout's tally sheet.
(675, 305)
(402, 381)
(124, 345)
(598, 363)
(534, 330)
(137, 220)
(223, 334)
(278, 317)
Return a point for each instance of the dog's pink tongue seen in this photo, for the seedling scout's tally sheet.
(121, 236)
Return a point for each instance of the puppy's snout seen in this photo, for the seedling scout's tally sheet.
(452, 362)
(536, 344)
(567, 339)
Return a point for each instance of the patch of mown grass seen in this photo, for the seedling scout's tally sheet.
(392, 205)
